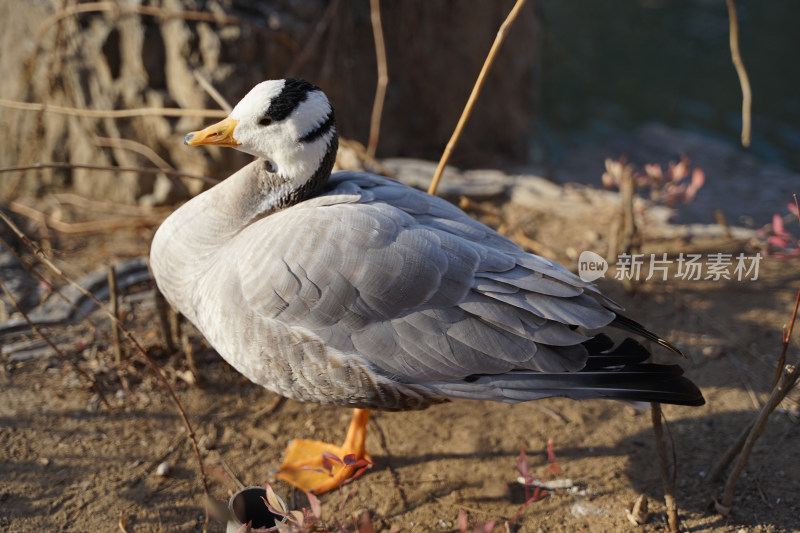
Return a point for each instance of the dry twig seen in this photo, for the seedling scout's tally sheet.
(383, 77)
(271, 408)
(94, 206)
(113, 297)
(74, 228)
(50, 343)
(744, 81)
(113, 113)
(476, 89)
(163, 309)
(787, 333)
(160, 458)
(140, 170)
(788, 379)
(212, 91)
(133, 146)
(52, 288)
(750, 429)
(730, 454)
(667, 481)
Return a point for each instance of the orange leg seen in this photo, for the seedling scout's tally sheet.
(306, 468)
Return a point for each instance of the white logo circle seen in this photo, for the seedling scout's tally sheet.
(591, 266)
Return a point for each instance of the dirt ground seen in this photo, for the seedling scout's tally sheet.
(67, 463)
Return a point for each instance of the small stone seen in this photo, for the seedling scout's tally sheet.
(163, 469)
(637, 512)
(44, 461)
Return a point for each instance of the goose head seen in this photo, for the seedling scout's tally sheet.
(289, 124)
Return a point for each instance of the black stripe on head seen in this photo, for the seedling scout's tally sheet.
(321, 129)
(293, 93)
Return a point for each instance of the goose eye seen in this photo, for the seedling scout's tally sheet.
(266, 121)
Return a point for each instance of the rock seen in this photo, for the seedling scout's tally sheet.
(474, 184)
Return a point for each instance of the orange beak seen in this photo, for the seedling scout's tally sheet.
(219, 134)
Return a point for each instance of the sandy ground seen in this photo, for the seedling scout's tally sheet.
(67, 463)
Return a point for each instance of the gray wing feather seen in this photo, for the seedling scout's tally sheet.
(530, 280)
(581, 310)
(420, 290)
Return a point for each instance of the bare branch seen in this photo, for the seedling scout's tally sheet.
(140, 170)
(744, 81)
(212, 91)
(114, 113)
(133, 146)
(788, 379)
(35, 273)
(476, 89)
(94, 226)
(52, 346)
(383, 77)
(667, 481)
(113, 297)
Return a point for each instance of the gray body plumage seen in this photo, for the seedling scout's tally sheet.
(372, 294)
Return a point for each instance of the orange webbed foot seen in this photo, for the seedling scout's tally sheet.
(318, 467)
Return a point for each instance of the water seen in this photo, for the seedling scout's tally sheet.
(611, 66)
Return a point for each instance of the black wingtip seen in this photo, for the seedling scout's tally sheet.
(629, 352)
(647, 382)
(630, 325)
(623, 374)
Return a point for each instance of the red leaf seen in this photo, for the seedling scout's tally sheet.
(273, 503)
(653, 170)
(316, 507)
(538, 494)
(351, 460)
(365, 524)
(551, 454)
(793, 209)
(698, 180)
(462, 521)
(358, 474)
(523, 466)
(680, 170)
(778, 242)
(298, 517)
(777, 225)
(330, 456)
